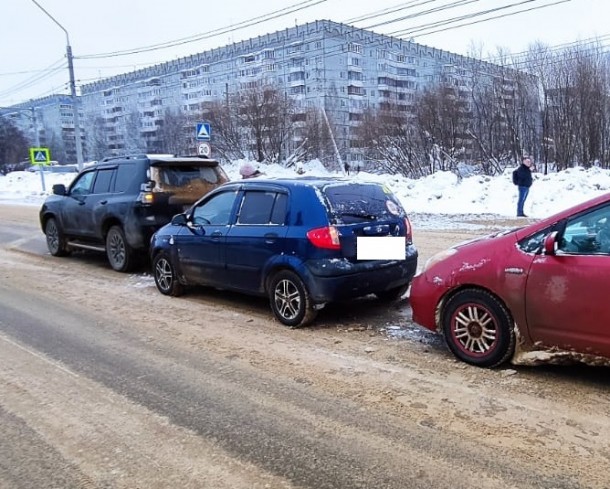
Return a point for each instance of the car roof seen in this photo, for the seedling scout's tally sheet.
(302, 181)
(160, 160)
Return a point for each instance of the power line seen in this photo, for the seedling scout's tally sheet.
(43, 74)
(433, 25)
(210, 34)
(595, 42)
(459, 3)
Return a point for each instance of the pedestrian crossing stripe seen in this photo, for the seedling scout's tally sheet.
(40, 156)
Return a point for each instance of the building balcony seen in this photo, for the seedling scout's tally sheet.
(355, 90)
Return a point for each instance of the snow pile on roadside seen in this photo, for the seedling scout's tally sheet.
(442, 193)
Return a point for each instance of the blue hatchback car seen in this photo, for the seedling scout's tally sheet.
(292, 240)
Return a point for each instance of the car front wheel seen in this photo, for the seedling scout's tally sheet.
(290, 301)
(165, 276)
(55, 238)
(118, 251)
(478, 328)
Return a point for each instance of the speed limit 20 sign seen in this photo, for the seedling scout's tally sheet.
(204, 149)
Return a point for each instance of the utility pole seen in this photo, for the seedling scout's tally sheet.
(332, 138)
(37, 143)
(77, 139)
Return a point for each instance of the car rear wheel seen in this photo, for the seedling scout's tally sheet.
(165, 276)
(290, 301)
(118, 251)
(478, 328)
(55, 238)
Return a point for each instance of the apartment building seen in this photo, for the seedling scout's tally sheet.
(336, 68)
(47, 122)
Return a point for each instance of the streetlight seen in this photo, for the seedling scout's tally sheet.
(79, 146)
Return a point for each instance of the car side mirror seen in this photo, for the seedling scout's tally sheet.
(179, 220)
(550, 243)
(59, 189)
(148, 186)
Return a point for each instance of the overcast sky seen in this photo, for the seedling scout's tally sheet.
(34, 47)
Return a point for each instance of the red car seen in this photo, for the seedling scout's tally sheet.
(536, 294)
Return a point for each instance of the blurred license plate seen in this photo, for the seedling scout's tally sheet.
(380, 247)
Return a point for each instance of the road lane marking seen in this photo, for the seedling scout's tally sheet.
(38, 355)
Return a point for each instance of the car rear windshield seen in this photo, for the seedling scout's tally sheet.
(186, 183)
(353, 203)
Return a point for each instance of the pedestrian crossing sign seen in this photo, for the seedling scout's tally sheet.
(40, 156)
(203, 131)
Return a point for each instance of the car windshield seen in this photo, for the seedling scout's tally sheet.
(352, 203)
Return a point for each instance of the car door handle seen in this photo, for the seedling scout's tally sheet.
(271, 238)
(103, 202)
(216, 235)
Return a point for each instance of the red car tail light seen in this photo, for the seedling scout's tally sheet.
(327, 238)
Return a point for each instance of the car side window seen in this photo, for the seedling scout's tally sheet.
(103, 181)
(124, 176)
(278, 214)
(534, 242)
(587, 234)
(256, 207)
(82, 186)
(215, 211)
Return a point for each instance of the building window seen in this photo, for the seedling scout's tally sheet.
(352, 47)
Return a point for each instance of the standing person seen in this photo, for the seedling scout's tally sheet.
(248, 170)
(522, 178)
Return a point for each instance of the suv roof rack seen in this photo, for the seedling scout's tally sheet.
(138, 156)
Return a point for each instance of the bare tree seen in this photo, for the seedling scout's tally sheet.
(13, 143)
(319, 144)
(443, 122)
(575, 116)
(175, 132)
(392, 140)
(265, 115)
(97, 144)
(228, 140)
(132, 138)
(505, 121)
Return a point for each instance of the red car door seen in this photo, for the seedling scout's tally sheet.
(566, 302)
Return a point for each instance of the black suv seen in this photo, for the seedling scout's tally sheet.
(115, 205)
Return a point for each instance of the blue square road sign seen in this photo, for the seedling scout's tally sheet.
(203, 131)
